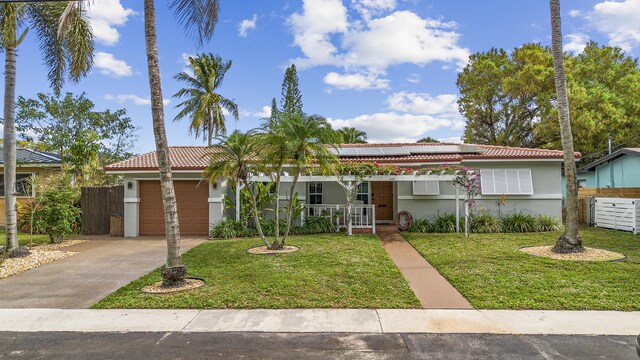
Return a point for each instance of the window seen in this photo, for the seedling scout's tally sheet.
(426, 187)
(363, 193)
(506, 181)
(582, 184)
(315, 193)
(23, 187)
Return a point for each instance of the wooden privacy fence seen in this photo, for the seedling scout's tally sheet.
(584, 206)
(102, 206)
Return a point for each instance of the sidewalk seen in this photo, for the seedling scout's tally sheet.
(531, 322)
(431, 288)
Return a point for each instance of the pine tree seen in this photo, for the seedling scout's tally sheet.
(274, 109)
(291, 96)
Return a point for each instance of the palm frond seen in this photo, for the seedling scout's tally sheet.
(198, 17)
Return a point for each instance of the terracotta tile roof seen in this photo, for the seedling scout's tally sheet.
(196, 157)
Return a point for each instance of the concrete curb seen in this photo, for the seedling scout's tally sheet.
(530, 322)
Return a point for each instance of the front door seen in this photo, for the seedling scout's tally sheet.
(382, 198)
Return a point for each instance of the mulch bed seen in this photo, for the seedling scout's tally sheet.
(262, 250)
(589, 254)
(157, 288)
(40, 255)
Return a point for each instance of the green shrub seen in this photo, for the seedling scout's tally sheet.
(421, 226)
(317, 225)
(226, 229)
(519, 222)
(547, 223)
(485, 223)
(59, 214)
(446, 223)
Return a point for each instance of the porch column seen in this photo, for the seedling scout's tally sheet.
(457, 209)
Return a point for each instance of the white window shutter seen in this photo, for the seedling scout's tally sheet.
(486, 181)
(526, 183)
(426, 188)
(506, 181)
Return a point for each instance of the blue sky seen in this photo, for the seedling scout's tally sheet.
(388, 67)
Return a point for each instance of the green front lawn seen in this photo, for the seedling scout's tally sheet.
(23, 238)
(491, 273)
(329, 271)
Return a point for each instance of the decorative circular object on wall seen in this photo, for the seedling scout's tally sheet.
(404, 219)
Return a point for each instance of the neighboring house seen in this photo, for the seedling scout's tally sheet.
(530, 179)
(620, 169)
(28, 162)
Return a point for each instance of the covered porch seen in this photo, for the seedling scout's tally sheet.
(376, 199)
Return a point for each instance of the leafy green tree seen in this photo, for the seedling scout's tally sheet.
(204, 106)
(69, 125)
(604, 101)
(66, 42)
(291, 97)
(511, 99)
(428, 139)
(59, 213)
(501, 94)
(199, 18)
(351, 135)
(569, 242)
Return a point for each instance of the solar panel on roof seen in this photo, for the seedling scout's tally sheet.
(444, 149)
(395, 151)
(369, 151)
(347, 152)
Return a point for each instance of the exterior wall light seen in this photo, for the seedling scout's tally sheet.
(129, 185)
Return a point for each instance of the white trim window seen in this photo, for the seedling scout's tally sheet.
(363, 192)
(23, 185)
(429, 187)
(315, 192)
(506, 182)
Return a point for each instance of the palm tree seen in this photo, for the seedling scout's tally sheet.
(203, 104)
(199, 18)
(66, 41)
(308, 138)
(570, 241)
(233, 158)
(351, 135)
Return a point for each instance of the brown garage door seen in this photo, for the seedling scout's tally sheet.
(193, 207)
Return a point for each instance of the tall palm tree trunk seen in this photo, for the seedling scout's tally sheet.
(290, 207)
(256, 218)
(174, 272)
(570, 241)
(9, 148)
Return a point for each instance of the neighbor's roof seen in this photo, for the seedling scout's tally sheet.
(28, 156)
(197, 157)
(614, 155)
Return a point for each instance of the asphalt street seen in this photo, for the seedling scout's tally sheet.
(177, 345)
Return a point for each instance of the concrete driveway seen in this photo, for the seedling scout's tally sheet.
(102, 266)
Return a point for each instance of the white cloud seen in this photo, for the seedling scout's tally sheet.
(574, 13)
(414, 78)
(105, 16)
(327, 36)
(394, 127)
(265, 113)
(453, 139)
(619, 20)
(575, 43)
(370, 8)
(355, 81)
(111, 66)
(412, 116)
(137, 100)
(419, 103)
(246, 25)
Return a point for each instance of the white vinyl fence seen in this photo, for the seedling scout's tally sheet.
(618, 214)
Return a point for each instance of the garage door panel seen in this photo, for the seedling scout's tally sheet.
(193, 207)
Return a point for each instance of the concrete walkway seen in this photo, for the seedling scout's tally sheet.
(102, 266)
(533, 322)
(431, 288)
